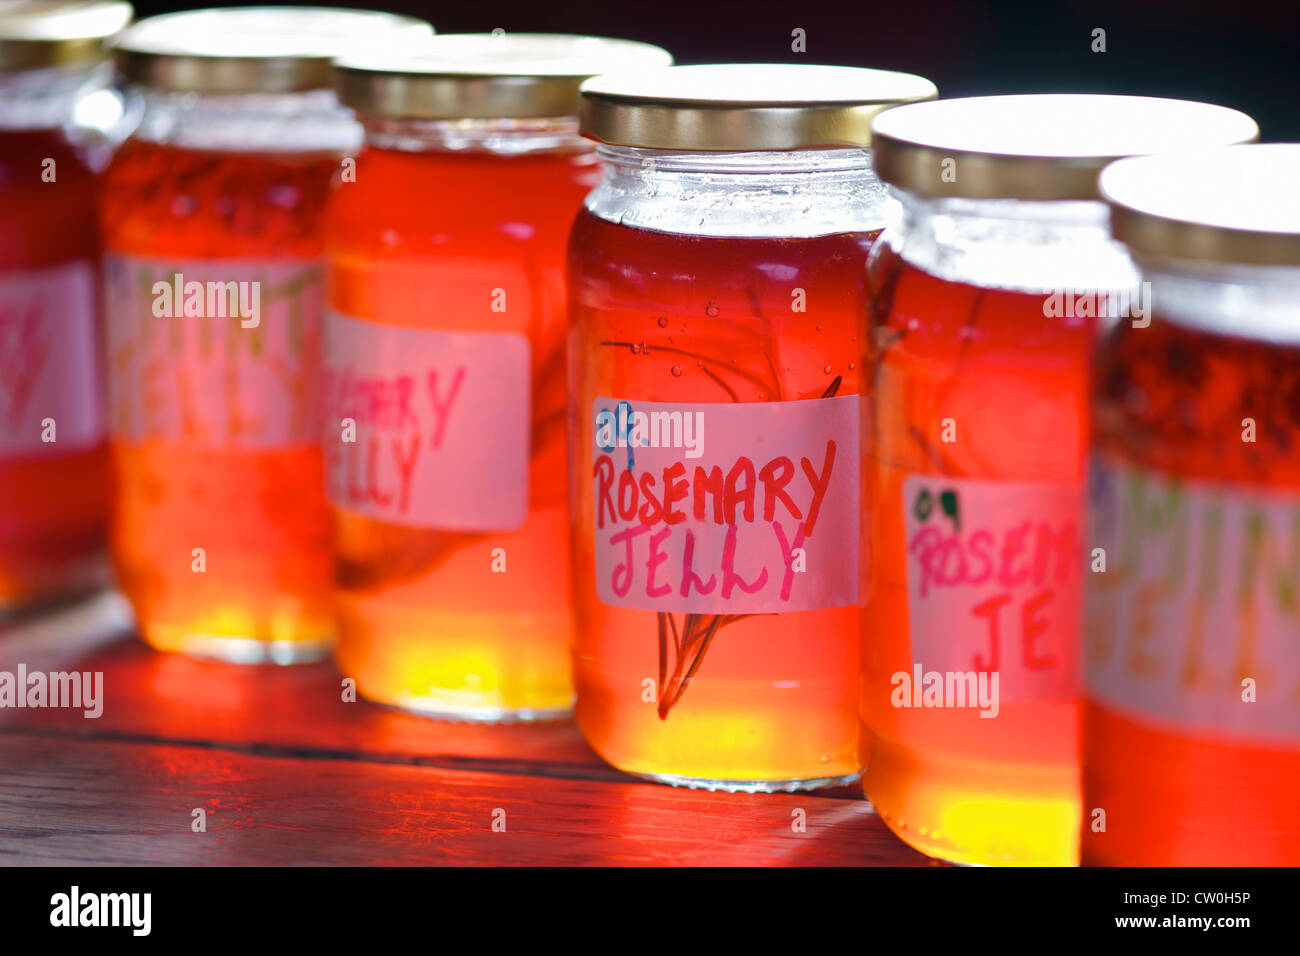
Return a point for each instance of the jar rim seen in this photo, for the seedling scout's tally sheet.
(759, 162)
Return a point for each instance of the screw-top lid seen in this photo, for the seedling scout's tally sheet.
(1239, 204)
(35, 34)
(1038, 146)
(738, 107)
(253, 49)
(486, 76)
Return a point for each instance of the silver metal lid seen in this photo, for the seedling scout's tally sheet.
(738, 107)
(253, 49)
(1041, 146)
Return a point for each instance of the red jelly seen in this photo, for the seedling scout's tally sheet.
(54, 476)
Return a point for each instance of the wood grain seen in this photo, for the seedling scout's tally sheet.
(79, 802)
(164, 697)
(288, 773)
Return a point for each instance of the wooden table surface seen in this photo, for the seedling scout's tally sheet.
(287, 773)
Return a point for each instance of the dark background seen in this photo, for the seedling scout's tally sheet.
(1240, 53)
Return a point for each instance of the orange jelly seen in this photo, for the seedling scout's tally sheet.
(445, 397)
(1191, 716)
(213, 225)
(980, 357)
(778, 690)
(717, 302)
(192, 472)
(986, 298)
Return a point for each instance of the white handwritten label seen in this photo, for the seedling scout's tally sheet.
(726, 508)
(442, 424)
(49, 361)
(1201, 592)
(187, 364)
(994, 573)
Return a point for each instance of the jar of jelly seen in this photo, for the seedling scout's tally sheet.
(212, 219)
(985, 303)
(444, 412)
(54, 474)
(718, 283)
(1191, 717)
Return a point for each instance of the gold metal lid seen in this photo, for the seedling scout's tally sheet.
(253, 49)
(486, 76)
(739, 107)
(36, 34)
(1041, 146)
(1238, 204)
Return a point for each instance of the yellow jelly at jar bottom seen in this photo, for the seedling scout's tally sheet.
(456, 665)
(933, 806)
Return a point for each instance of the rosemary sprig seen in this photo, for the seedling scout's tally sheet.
(698, 631)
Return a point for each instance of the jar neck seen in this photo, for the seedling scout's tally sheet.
(49, 99)
(309, 121)
(1245, 301)
(1030, 246)
(495, 137)
(795, 194)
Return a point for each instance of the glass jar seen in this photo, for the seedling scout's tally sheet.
(717, 277)
(445, 398)
(54, 476)
(213, 226)
(1191, 722)
(985, 298)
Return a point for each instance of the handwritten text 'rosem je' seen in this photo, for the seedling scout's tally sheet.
(1013, 576)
